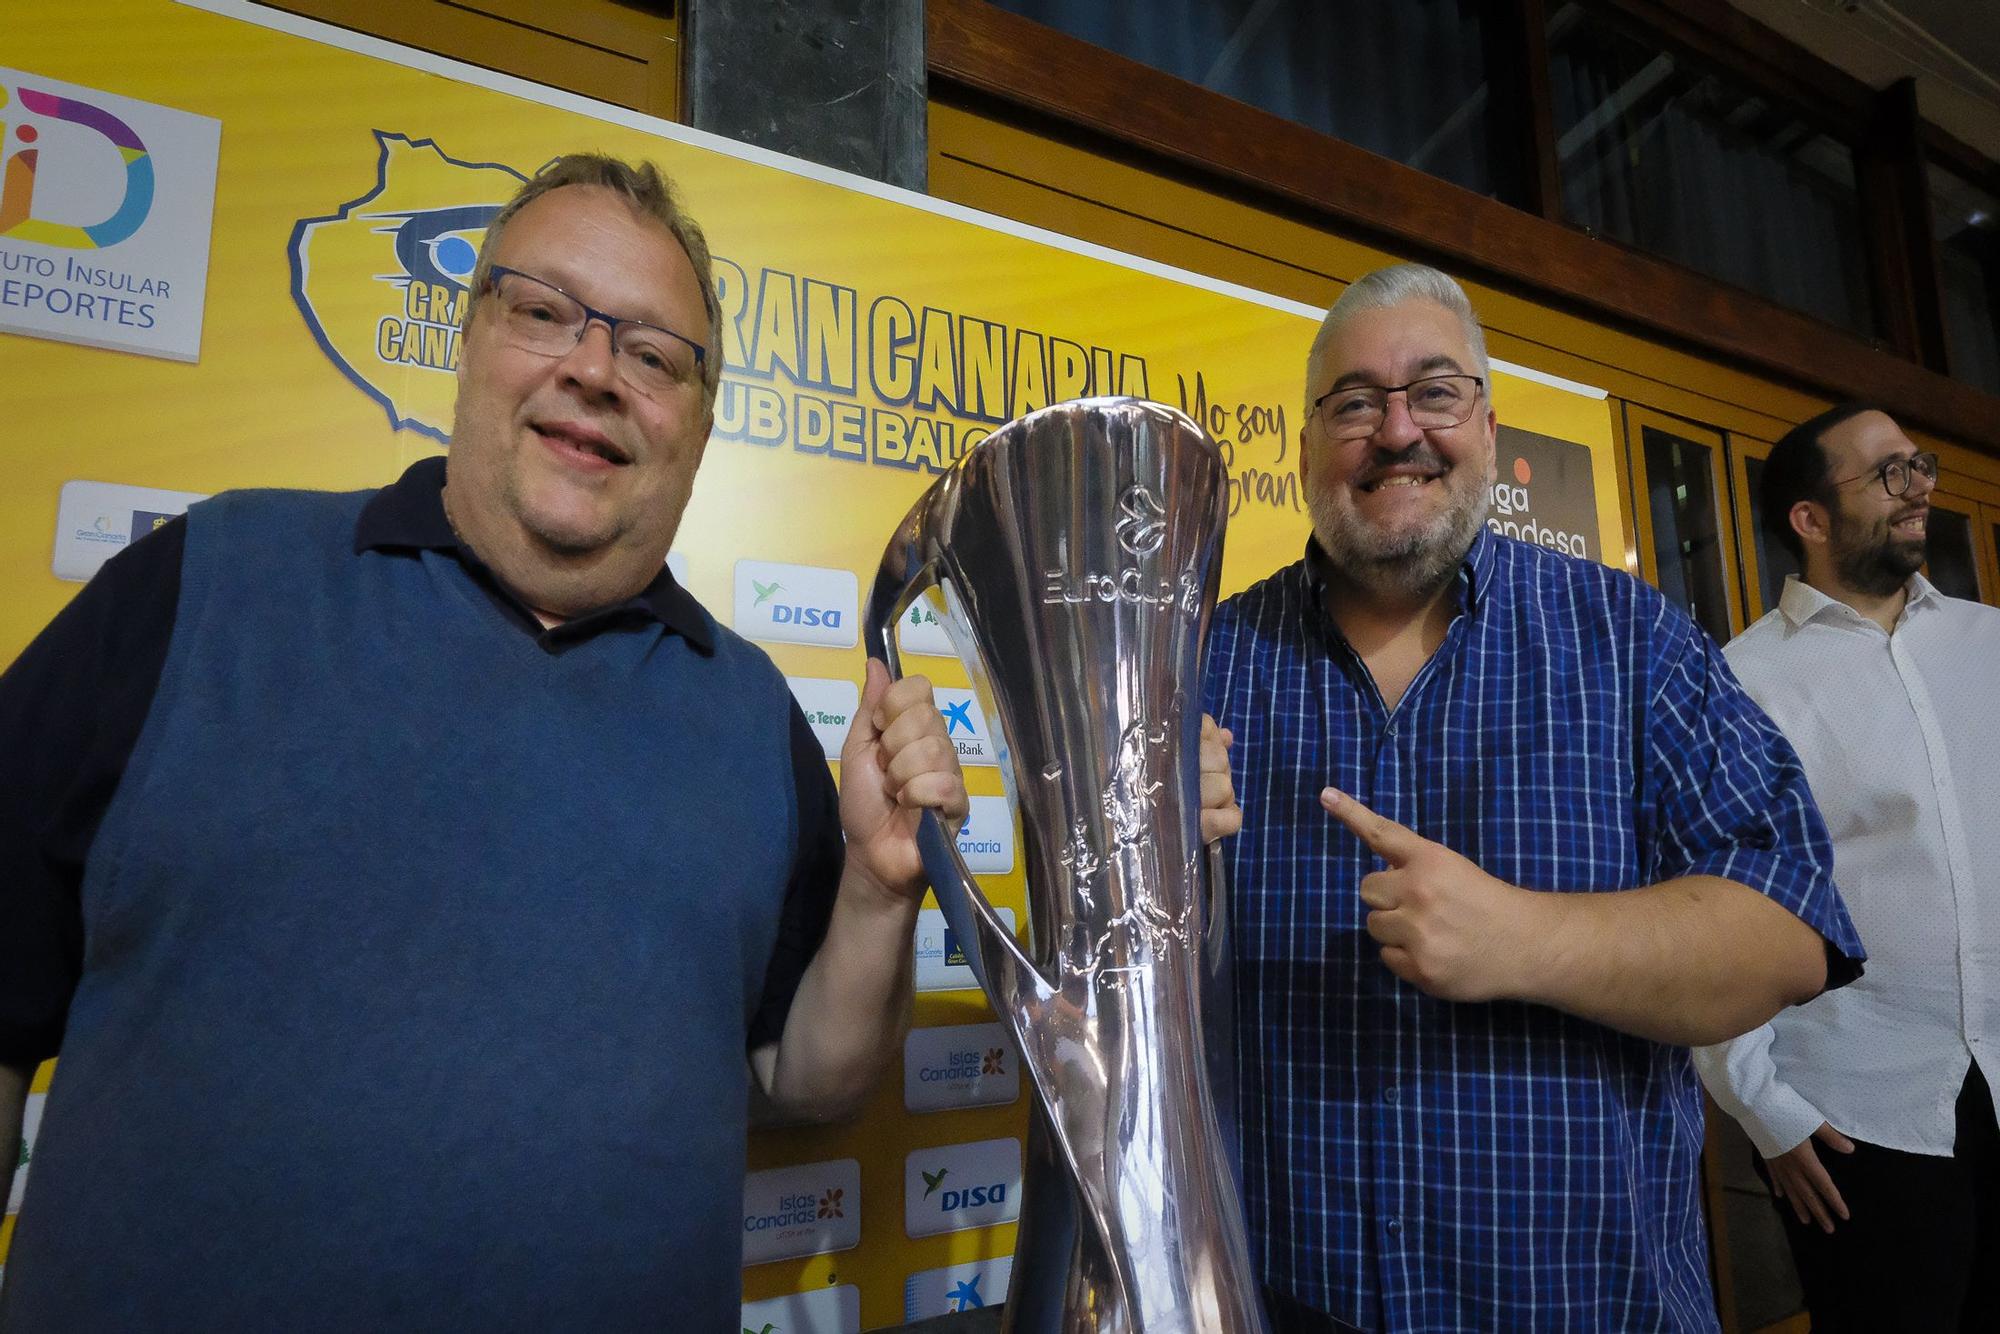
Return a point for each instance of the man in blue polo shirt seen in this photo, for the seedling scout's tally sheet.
(1512, 840)
(418, 883)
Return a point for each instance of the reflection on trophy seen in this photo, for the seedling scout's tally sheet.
(1078, 551)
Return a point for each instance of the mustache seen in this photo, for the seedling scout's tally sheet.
(1419, 454)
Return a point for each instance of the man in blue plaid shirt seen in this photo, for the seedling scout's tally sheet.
(1512, 839)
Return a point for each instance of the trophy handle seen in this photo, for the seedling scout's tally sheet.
(990, 946)
(1218, 1007)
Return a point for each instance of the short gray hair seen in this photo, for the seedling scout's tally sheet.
(649, 194)
(1393, 286)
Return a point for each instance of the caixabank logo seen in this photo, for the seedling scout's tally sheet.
(955, 1288)
(960, 1186)
(382, 281)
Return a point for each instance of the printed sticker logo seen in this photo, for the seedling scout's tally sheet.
(959, 1065)
(986, 839)
(806, 1210)
(105, 208)
(959, 1186)
(97, 520)
(821, 1311)
(382, 281)
(797, 604)
(955, 1288)
(829, 706)
(965, 724)
(941, 962)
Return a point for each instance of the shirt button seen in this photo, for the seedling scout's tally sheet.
(1395, 1227)
(1391, 1094)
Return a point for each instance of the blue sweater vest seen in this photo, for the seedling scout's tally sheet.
(419, 963)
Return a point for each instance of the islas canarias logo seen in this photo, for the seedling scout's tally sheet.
(382, 280)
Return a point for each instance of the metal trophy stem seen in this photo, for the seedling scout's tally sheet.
(1079, 549)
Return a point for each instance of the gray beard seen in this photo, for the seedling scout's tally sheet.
(1410, 568)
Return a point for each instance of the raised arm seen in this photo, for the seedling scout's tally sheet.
(1688, 961)
(853, 1003)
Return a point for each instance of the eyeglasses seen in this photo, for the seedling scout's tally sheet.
(539, 317)
(1895, 473)
(1436, 402)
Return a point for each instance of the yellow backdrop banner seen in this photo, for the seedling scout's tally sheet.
(871, 338)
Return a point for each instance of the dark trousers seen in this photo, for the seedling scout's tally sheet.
(1920, 1250)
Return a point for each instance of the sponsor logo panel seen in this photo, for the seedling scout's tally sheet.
(797, 604)
(965, 724)
(941, 964)
(957, 1186)
(955, 1288)
(97, 520)
(822, 1311)
(828, 704)
(31, 1125)
(105, 208)
(986, 839)
(921, 631)
(959, 1065)
(811, 1209)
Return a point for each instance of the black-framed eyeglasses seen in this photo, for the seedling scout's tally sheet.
(537, 316)
(1895, 473)
(1436, 402)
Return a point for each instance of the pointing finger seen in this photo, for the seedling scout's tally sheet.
(1384, 837)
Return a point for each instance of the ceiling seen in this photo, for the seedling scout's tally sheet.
(1952, 47)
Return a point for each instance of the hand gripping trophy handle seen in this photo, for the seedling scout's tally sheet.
(1078, 550)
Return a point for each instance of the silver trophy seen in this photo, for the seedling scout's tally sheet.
(1077, 551)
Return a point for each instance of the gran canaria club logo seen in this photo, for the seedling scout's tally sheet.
(382, 280)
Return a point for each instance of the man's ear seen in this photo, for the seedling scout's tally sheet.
(1810, 521)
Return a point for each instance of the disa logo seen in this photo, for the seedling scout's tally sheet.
(382, 282)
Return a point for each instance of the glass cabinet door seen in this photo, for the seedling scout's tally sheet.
(1687, 546)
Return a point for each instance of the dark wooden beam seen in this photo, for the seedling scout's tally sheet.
(979, 49)
(1517, 76)
(1896, 203)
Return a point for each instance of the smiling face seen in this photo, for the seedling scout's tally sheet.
(1874, 541)
(558, 459)
(1397, 511)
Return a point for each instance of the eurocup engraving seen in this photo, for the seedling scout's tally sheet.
(1078, 550)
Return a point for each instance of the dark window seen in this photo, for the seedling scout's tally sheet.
(1953, 568)
(1673, 157)
(1405, 80)
(1967, 222)
(1687, 549)
(1774, 559)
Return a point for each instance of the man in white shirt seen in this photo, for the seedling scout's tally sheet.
(1873, 1104)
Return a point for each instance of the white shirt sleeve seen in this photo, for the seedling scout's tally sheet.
(1743, 1079)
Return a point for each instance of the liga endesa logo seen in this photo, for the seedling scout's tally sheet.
(383, 279)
